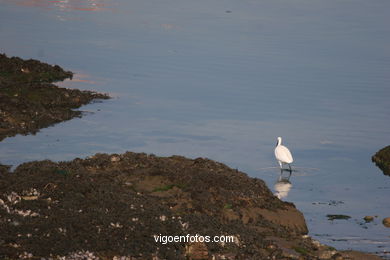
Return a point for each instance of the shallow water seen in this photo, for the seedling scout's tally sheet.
(223, 79)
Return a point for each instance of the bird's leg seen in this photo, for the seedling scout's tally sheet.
(290, 168)
(280, 164)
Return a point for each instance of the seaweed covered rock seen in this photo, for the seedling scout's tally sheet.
(28, 99)
(17, 70)
(382, 160)
(125, 207)
(117, 205)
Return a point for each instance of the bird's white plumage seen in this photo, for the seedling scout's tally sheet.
(282, 153)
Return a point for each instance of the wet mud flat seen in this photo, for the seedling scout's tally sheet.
(29, 100)
(112, 206)
(382, 159)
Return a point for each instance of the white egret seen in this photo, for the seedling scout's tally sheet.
(282, 154)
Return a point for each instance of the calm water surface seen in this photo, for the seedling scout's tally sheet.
(223, 79)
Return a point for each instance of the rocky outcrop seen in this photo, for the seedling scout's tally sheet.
(382, 159)
(28, 99)
(112, 206)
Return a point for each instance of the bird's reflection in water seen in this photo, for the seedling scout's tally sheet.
(283, 185)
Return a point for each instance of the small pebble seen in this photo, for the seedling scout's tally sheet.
(386, 222)
(368, 218)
